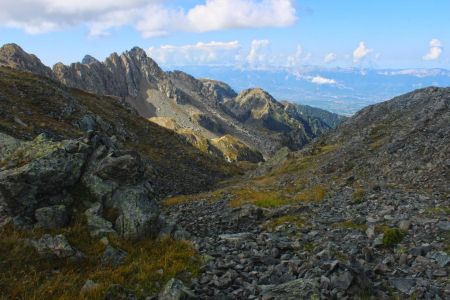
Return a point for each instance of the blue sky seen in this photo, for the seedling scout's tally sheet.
(246, 33)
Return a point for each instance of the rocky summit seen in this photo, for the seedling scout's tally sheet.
(121, 181)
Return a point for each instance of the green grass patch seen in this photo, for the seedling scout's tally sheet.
(358, 195)
(349, 224)
(297, 221)
(393, 236)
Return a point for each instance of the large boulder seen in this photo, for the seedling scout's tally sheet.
(55, 247)
(117, 180)
(138, 212)
(35, 171)
(52, 217)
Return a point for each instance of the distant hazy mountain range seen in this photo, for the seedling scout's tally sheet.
(342, 91)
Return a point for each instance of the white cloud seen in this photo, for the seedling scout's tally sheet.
(199, 53)
(257, 54)
(322, 80)
(149, 17)
(435, 51)
(39, 16)
(296, 58)
(329, 58)
(361, 52)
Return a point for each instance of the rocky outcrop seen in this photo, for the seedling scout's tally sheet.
(36, 173)
(12, 56)
(55, 247)
(37, 176)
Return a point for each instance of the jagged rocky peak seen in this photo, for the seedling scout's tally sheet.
(252, 103)
(87, 59)
(13, 56)
(218, 89)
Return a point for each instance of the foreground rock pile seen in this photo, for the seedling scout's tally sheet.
(338, 252)
(39, 179)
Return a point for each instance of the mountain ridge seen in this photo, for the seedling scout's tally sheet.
(200, 105)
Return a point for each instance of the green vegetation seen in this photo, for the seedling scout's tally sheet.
(26, 152)
(358, 194)
(297, 221)
(377, 134)
(349, 224)
(25, 275)
(392, 236)
(432, 211)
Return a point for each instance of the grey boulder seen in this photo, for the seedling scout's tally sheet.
(176, 290)
(52, 217)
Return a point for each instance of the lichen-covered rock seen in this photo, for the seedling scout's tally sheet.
(138, 212)
(293, 290)
(98, 227)
(123, 167)
(55, 246)
(38, 170)
(52, 217)
(176, 290)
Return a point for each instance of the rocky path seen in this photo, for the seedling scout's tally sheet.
(331, 250)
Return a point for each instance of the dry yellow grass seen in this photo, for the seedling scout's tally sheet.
(24, 275)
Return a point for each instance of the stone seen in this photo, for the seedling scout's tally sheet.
(444, 225)
(98, 227)
(341, 280)
(440, 273)
(176, 290)
(138, 212)
(52, 217)
(123, 167)
(89, 286)
(404, 225)
(113, 256)
(381, 268)
(55, 246)
(404, 285)
(420, 250)
(293, 290)
(275, 252)
(235, 237)
(442, 258)
(370, 232)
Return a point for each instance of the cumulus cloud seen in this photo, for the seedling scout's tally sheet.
(257, 52)
(361, 52)
(199, 53)
(149, 17)
(435, 51)
(322, 80)
(39, 16)
(329, 58)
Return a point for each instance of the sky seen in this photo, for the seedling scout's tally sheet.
(244, 33)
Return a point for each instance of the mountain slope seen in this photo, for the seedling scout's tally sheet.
(31, 105)
(341, 217)
(199, 105)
